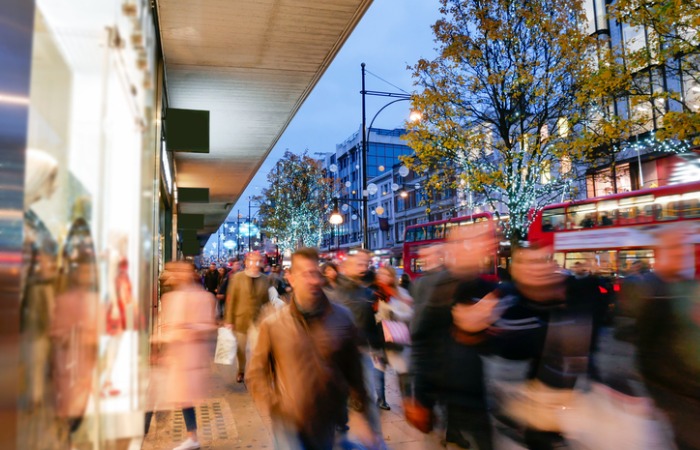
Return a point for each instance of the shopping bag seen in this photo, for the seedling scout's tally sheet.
(225, 347)
(533, 404)
(396, 332)
(606, 419)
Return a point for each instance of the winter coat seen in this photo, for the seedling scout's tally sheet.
(211, 280)
(184, 363)
(245, 298)
(668, 335)
(445, 369)
(358, 299)
(304, 366)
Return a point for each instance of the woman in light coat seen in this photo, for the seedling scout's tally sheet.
(184, 364)
(394, 304)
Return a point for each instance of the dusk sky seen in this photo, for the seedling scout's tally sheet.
(392, 35)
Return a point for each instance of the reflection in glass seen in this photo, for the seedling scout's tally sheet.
(74, 328)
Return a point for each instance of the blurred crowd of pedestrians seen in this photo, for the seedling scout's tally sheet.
(317, 342)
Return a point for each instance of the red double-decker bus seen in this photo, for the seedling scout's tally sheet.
(613, 232)
(431, 233)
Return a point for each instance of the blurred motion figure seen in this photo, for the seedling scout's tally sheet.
(306, 363)
(246, 295)
(668, 335)
(180, 377)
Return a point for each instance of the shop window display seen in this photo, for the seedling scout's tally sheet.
(89, 227)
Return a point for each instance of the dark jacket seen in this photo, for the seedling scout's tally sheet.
(211, 280)
(668, 335)
(521, 333)
(303, 368)
(358, 299)
(421, 290)
(443, 368)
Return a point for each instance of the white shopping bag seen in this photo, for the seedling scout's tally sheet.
(225, 347)
(604, 419)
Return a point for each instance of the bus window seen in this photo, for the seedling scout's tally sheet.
(581, 216)
(553, 219)
(414, 234)
(628, 258)
(439, 231)
(409, 235)
(670, 211)
(602, 263)
(417, 265)
(691, 208)
(669, 206)
(636, 209)
(628, 215)
(647, 214)
(607, 213)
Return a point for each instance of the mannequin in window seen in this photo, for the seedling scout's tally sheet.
(38, 282)
(120, 306)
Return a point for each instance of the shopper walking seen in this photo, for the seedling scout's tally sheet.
(668, 335)
(211, 278)
(306, 363)
(246, 296)
(220, 292)
(395, 305)
(447, 371)
(183, 362)
(330, 273)
(352, 293)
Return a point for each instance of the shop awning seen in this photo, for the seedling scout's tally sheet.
(251, 64)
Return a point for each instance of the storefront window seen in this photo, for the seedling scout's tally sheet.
(91, 229)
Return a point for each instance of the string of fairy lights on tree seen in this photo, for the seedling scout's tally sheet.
(651, 142)
(294, 207)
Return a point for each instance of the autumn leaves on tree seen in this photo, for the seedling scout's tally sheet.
(523, 94)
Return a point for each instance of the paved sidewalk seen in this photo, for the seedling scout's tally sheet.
(229, 420)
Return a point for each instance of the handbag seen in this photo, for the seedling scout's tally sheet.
(225, 347)
(396, 332)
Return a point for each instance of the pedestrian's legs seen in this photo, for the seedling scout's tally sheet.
(190, 418)
(285, 436)
(543, 440)
(404, 385)
(469, 427)
(371, 412)
(191, 424)
(220, 309)
(147, 422)
(380, 389)
(241, 342)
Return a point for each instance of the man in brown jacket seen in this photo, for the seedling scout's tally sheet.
(306, 363)
(246, 296)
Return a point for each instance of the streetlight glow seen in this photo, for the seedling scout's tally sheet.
(415, 116)
(336, 218)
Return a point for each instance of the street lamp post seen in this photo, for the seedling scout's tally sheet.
(250, 220)
(238, 236)
(365, 138)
